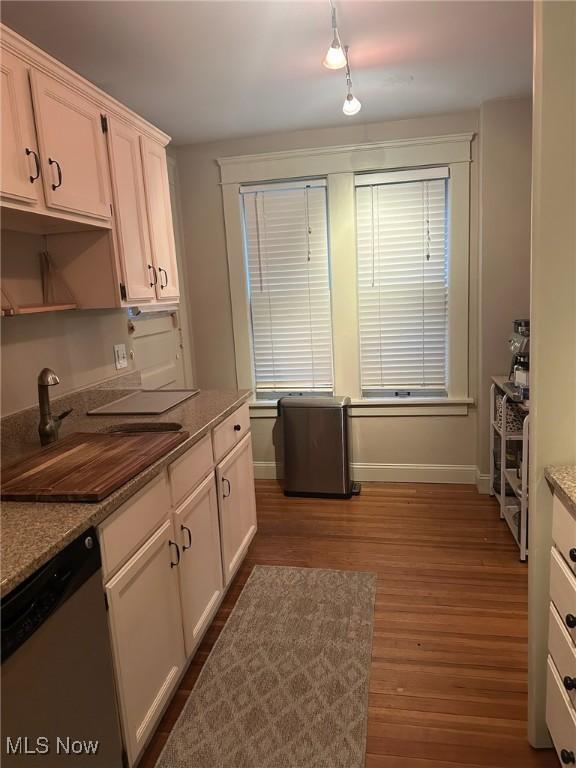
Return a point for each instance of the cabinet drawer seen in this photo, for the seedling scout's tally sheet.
(231, 431)
(563, 591)
(187, 471)
(127, 528)
(560, 715)
(563, 652)
(564, 531)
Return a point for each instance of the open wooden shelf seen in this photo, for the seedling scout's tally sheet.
(29, 309)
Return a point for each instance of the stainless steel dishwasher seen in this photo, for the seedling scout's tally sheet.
(58, 692)
(316, 450)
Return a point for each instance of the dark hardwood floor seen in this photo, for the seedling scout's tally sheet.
(448, 680)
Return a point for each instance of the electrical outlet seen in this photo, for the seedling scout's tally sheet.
(120, 358)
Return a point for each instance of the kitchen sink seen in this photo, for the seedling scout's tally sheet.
(145, 426)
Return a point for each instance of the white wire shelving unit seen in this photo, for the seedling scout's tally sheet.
(512, 495)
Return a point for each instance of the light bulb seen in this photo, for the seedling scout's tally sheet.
(351, 105)
(335, 57)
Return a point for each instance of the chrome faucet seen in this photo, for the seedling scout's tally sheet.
(48, 427)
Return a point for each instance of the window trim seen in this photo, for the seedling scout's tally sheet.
(339, 165)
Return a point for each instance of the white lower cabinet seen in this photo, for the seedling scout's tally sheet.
(237, 504)
(561, 679)
(147, 639)
(560, 716)
(200, 569)
(169, 554)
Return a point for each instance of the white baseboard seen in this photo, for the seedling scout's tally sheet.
(392, 473)
(265, 470)
(482, 482)
(414, 473)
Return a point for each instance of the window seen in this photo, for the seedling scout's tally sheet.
(382, 307)
(286, 253)
(402, 252)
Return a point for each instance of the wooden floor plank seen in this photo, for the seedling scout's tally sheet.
(448, 686)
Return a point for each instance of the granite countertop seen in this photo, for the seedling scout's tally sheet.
(33, 532)
(563, 481)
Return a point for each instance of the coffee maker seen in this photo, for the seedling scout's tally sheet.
(519, 376)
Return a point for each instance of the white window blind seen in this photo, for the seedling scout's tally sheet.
(403, 281)
(286, 249)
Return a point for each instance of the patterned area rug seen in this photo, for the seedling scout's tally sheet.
(286, 684)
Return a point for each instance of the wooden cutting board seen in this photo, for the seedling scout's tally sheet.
(85, 467)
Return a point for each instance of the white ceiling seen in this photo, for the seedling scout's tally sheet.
(210, 69)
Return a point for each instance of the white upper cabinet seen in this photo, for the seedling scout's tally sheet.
(72, 149)
(160, 218)
(74, 161)
(130, 216)
(20, 177)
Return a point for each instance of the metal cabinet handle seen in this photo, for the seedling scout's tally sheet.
(567, 757)
(59, 171)
(225, 480)
(154, 275)
(187, 530)
(570, 621)
(573, 554)
(237, 427)
(569, 683)
(37, 162)
(163, 285)
(173, 544)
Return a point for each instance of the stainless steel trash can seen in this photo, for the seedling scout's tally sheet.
(315, 442)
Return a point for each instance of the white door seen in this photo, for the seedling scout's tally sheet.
(131, 219)
(146, 630)
(20, 177)
(237, 505)
(200, 570)
(72, 149)
(160, 218)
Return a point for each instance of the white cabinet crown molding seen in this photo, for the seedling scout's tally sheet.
(320, 161)
(43, 62)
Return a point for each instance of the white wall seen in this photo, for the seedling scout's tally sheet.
(380, 441)
(504, 259)
(421, 441)
(553, 314)
(78, 345)
(203, 221)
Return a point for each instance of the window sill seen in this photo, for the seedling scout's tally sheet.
(385, 406)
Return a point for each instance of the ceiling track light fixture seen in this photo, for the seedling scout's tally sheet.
(351, 104)
(337, 58)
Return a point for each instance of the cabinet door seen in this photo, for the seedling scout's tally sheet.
(200, 570)
(72, 148)
(146, 630)
(237, 505)
(160, 218)
(130, 218)
(20, 178)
